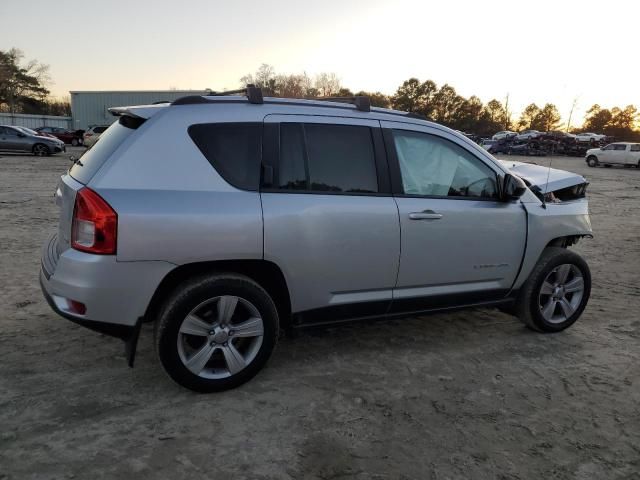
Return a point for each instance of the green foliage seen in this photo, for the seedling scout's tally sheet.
(21, 84)
(617, 122)
(547, 119)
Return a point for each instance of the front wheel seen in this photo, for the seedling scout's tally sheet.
(592, 161)
(40, 150)
(216, 332)
(556, 292)
(74, 142)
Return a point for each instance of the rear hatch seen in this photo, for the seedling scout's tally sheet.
(83, 170)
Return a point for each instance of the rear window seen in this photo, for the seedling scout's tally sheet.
(327, 158)
(85, 167)
(233, 149)
(99, 129)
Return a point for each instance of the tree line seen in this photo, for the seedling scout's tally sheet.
(23, 86)
(23, 89)
(444, 105)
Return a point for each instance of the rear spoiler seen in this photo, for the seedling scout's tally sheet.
(143, 112)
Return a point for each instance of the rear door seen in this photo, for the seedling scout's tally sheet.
(330, 221)
(460, 244)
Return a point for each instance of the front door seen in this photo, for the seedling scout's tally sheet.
(460, 243)
(330, 222)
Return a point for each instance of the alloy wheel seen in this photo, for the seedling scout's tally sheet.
(40, 150)
(220, 337)
(561, 293)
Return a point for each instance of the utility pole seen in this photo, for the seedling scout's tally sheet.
(506, 111)
(573, 105)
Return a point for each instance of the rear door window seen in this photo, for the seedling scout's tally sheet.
(322, 158)
(233, 149)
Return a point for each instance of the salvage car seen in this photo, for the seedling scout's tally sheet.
(528, 135)
(288, 213)
(18, 139)
(619, 153)
(504, 135)
(70, 137)
(590, 137)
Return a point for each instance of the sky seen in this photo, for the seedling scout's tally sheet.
(544, 51)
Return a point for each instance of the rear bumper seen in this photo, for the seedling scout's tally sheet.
(114, 293)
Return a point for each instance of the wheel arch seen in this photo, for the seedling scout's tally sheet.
(267, 274)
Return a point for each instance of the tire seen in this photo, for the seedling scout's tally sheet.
(607, 165)
(592, 161)
(537, 306)
(75, 142)
(198, 349)
(41, 150)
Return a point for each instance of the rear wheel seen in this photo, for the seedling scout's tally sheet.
(216, 332)
(40, 150)
(592, 161)
(556, 292)
(75, 142)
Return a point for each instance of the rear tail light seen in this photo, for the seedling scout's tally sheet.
(95, 224)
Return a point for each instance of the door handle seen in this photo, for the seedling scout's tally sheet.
(425, 215)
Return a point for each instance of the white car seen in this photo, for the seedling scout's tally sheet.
(590, 137)
(92, 135)
(528, 135)
(620, 153)
(503, 135)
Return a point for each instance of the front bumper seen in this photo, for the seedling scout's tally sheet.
(57, 148)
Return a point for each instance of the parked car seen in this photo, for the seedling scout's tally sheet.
(71, 137)
(528, 135)
(619, 153)
(17, 139)
(92, 135)
(590, 137)
(506, 134)
(228, 217)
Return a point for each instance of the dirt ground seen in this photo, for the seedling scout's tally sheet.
(461, 395)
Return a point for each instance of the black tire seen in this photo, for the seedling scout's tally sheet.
(192, 294)
(75, 142)
(528, 307)
(607, 165)
(592, 161)
(40, 149)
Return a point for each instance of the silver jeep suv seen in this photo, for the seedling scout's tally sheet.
(223, 218)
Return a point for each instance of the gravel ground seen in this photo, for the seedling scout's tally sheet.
(460, 395)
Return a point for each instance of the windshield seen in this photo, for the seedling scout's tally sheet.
(85, 167)
(27, 130)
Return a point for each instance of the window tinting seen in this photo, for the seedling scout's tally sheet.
(327, 158)
(99, 129)
(292, 167)
(635, 148)
(619, 147)
(433, 166)
(233, 149)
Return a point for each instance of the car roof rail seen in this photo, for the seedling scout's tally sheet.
(253, 93)
(361, 102)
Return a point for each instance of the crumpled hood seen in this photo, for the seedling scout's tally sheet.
(536, 175)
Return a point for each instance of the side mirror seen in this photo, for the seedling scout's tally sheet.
(512, 187)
